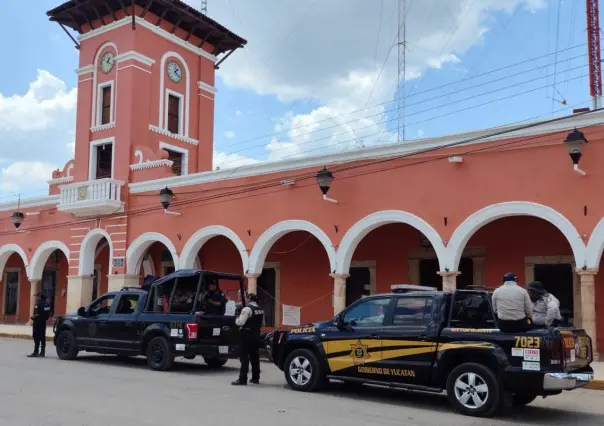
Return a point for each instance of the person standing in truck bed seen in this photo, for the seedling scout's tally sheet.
(512, 305)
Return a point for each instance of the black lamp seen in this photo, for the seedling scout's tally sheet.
(574, 141)
(325, 178)
(17, 219)
(165, 197)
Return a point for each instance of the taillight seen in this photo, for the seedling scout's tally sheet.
(192, 330)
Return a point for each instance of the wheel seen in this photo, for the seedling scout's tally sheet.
(67, 348)
(473, 389)
(522, 399)
(159, 354)
(302, 371)
(215, 362)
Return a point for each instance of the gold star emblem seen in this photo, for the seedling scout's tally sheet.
(359, 353)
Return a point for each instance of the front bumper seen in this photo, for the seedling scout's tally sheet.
(566, 381)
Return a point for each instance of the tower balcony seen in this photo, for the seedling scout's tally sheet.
(92, 198)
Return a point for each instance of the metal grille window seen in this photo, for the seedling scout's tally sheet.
(106, 105)
(104, 158)
(12, 293)
(176, 158)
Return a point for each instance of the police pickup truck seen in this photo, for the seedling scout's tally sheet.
(161, 320)
(431, 341)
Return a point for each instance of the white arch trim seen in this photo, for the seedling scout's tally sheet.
(197, 240)
(88, 251)
(7, 251)
(162, 89)
(595, 246)
(140, 245)
(149, 266)
(482, 217)
(95, 69)
(40, 257)
(363, 227)
(272, 234)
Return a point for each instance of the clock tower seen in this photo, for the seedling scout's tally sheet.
(146, 75)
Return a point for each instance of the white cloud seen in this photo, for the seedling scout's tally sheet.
(238, 113)
(226, 161)
(229, 134)
(23, 176)
(327, 53)
(35, 128)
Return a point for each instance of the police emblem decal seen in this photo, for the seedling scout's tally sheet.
(359, 353)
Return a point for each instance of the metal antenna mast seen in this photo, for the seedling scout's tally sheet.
(204, 7)
(593, 43)
(402, 65)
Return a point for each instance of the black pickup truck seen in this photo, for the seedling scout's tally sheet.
(434, 341)
(161, 320)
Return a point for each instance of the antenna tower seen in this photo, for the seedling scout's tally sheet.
(402, 65)
(204, 7)
(593, 44)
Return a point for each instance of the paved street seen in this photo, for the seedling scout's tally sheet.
(100, 390)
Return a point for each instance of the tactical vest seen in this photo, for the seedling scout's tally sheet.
(254, 323)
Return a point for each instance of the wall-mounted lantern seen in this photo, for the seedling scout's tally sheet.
(574, 141)
(325, 178)
(166, 196)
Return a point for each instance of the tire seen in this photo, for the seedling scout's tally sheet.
(473, 389)
(215, 362)
(159, 354)
(303, 371)
(522, 399)
(66, 346)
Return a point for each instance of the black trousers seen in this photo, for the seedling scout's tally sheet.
(250, 353)
(517, 326)
(39, 335)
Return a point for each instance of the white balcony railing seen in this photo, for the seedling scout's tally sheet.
(91, 198)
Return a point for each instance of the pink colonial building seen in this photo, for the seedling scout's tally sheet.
(449, 212)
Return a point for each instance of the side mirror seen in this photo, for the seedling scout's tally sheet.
(82, 312)
(339, 321)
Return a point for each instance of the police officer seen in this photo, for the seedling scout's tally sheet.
(250, 322)
(214, 301)
(39, 318)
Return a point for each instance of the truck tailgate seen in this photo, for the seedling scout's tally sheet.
(219, 330)
(577, 348)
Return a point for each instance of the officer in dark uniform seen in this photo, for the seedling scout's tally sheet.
(213, 301)
(250, 322)
(39, 318)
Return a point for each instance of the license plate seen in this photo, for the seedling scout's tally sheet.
(223, 349)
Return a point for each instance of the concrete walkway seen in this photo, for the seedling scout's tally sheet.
(24, 332)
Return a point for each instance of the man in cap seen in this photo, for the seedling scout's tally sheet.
(512, 305)
(39, 318)
(546, 308)
(250, 322)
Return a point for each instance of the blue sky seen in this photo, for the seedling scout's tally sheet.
(307, 68)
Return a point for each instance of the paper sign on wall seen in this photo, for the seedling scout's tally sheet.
(291, 315)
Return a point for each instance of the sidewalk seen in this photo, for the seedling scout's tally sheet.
(24, 332)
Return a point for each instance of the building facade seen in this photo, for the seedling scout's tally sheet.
(447, 212)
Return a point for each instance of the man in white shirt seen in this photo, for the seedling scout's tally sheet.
(512, 305)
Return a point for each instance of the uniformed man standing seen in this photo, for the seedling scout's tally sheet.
(39, 318)
(250, 322)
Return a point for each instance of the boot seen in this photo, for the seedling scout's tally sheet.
(42, 353)
(34, 354)
(239, 382)
(255, 381)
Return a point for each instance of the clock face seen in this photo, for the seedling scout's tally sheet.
(107, 62)
(174, 72)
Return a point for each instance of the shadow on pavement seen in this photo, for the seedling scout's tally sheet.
(180, 364)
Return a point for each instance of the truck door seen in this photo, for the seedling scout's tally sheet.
(354, 349)
(408, 342)
(122, 330)
(91, 330)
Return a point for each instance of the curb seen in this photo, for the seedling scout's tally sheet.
(23, 336)
(596, 385)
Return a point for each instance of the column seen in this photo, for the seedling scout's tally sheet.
(252, 283)
(79, 292)
(116, 282)
(588, 306)
(449, 279)
(339, 292)
(34, 289)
